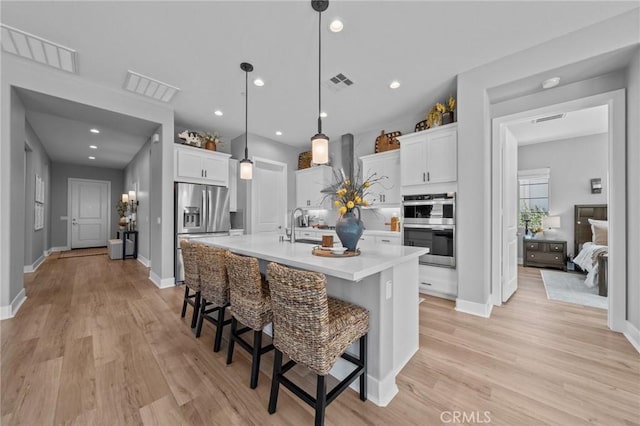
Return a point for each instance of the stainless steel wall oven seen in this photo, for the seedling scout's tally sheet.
(429, 221)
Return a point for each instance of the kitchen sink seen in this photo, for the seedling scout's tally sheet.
(308, 241)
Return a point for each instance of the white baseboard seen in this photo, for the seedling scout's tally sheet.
(9, 311)
(33, 267)
(474, 308)
(144, 261)
(54, 249)
(161, 282)
(633, 335)
(427, 290)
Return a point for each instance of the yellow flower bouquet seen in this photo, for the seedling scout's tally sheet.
(350, 194)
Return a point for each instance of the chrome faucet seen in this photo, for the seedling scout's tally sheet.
(293, 224)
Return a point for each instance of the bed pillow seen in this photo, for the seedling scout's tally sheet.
(599, 232)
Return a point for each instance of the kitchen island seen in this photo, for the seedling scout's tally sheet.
(383, 279)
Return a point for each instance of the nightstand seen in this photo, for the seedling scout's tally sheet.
(545, 253)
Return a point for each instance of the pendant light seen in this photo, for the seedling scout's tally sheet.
(320, 141)
(246, 165)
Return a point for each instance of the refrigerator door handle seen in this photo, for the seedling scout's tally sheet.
(205, 209)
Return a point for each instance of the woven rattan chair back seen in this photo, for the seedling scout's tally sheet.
(248, 296)
(300, 315)
(212, 267)
(190, 261)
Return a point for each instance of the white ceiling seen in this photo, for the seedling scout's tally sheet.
(198, 47)
(63, 128)
(584, 122)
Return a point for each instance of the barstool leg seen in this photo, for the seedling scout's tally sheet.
(321, 400)
(185, 303)
(363, 359)
(220, 326)
(255, 361)
(232, 339)
(196, 309)
(203, 307)
(275, 383)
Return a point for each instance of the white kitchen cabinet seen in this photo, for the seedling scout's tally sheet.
(309, 184)
(387, 191)
(233, 185)
(392, 241)
(196, 165)
(437, 281)
(429, 156)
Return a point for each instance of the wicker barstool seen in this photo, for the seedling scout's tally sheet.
(214, 290)
(191, 280)
(250, 304)
(313, 330)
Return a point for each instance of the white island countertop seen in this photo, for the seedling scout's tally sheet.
(373, 259)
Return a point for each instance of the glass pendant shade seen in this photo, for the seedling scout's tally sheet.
(320, 149)
(246, 169)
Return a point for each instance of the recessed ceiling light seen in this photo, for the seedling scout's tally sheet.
(91, 157)
(279, 133)
(258, 82)
(96, 131)
(218, 113)
(93, 147)
(394, 84)
(552, 82)
(336, 26)
(323, 114)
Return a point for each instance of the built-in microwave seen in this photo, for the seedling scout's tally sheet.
(438, 209)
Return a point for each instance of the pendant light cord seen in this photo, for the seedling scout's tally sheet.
(319, 71)
(246, 114)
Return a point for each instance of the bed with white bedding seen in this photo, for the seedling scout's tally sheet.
(591, 242)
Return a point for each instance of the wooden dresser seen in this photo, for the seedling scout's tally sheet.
(545, 253)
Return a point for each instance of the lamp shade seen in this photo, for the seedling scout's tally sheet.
(246, 169)
(132, 195)
(125, 198)
(320, 149)
(551, 222)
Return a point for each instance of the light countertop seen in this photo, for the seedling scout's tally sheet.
(372, 260)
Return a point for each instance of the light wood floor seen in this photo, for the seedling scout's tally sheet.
(97, 343)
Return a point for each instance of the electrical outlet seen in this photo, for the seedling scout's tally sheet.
(389, 289)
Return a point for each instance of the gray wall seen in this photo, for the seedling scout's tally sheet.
(269, 149)
(36, 242)
(60, 174)
(138, 171)
(633, 190)
(569, 185)
(474, 135)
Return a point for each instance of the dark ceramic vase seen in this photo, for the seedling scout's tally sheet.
(447, 118)
(349, 228)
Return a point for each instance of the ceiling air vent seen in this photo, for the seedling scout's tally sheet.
(149, 87)
(339, 82)
(38, 49)
(549, 118)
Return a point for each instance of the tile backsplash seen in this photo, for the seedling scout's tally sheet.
(373, 218)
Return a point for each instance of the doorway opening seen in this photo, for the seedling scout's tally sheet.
(559, 196)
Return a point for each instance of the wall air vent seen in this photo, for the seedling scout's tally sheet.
(38, 49)
(549, 118)
(149, 87)
(338, 82)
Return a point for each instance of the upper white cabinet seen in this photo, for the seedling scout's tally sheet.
(233, 185)
(309, 184)
(429, 156)
(387, 191)
(197, 165)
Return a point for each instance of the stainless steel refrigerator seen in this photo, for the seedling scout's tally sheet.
(201, 211)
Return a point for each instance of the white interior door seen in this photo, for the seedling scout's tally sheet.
(509, 216)
(89, 212)
(268, 196)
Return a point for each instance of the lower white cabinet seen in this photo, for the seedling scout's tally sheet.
(440, 282)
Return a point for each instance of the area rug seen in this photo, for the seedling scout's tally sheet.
(569, 287)
(93, 251)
